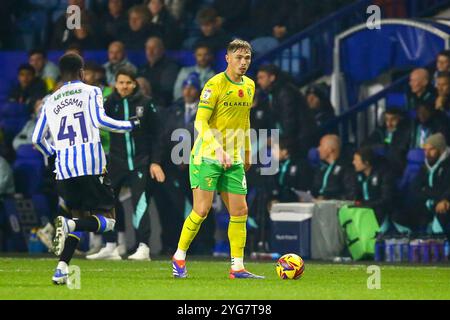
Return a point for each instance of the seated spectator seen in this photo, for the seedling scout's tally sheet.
(420, 89)
(428, 121)
(86, 37)
(74, 48)
(61, 35)
(235, 14)
(288, 108)
(45, 69)
(144, 86)
(374, 186)
(431, 188)
(211, 30)
(115, 20)
(138, 29)
(94, 75)
(6, 178)
(442, 63)
(116, 59)
(394, 137)
(160, 71)
(25, 135)
(203, 68)
(443, 92)
(319, 104)
(164, 23)
(293, 175)
(333, 179)
(30, 87)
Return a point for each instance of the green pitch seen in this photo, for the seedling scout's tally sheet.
(25, 278)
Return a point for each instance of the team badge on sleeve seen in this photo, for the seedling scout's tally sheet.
(207, 94)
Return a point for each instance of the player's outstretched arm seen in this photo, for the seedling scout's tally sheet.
(39, 134)
(102, 121)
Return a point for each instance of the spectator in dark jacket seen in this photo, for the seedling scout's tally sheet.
(394, 137)
(319, 104)
(293, 175)
(160, 71)
(211, 30)
(428, 121)
(442, 63)
(420, 89)
(333, 179)
(30, 88)
(138, 30)
(374, 185)
(432, 187)
(289, 111)
(442, 102)
(164, 23)
(115, 20)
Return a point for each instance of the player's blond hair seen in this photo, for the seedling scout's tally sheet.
(238, 44)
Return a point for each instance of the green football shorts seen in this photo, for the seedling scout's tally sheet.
(209, 175)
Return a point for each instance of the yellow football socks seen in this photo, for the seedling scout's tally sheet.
(237, 234)
(190, 229)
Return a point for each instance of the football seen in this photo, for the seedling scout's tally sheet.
(290, 266)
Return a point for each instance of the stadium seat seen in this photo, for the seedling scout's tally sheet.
(313, 157)
(28, 170)
(415, 160)
(397, 100)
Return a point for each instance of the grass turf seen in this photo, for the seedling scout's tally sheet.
(30, 278)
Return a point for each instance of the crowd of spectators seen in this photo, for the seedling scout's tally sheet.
(368, 175)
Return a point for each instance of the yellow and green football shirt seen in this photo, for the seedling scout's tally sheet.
(223, 118)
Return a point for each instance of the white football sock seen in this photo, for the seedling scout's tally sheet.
(62, 266)
(180, 255)
(71, 225)
(237, 264)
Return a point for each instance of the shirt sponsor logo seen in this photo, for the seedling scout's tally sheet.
(237, 104)
(66, 93)
(241, 93)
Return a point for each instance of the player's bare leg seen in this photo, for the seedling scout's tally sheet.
(237, 233)
(202, 205)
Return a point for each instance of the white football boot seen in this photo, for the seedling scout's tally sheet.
(142, 253)
(105, 253)
(61, 274)
(62, 230)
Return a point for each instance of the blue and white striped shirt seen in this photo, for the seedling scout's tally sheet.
(73, 115)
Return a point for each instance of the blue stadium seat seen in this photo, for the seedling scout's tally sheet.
(28, 170)
(313, 157)
(415, 160)
(397, 100)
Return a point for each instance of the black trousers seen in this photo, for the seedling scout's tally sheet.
(137, 181)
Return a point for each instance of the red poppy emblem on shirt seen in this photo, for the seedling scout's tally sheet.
(241, 93)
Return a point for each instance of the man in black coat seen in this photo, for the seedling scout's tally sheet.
(160, 71)
(394, 137)
(431, 188)
(333, 179)
(373, 186)
(133, 158)
(288, 108)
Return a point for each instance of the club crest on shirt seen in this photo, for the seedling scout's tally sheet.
(207, 94)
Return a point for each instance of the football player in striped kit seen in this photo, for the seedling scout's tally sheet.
(73, 115)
